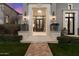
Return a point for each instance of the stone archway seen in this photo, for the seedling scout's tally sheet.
(39, 19)
(30, 13)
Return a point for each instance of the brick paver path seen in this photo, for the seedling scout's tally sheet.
(38, 49)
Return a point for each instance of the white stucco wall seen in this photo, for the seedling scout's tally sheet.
(58, 8)
(47, 16)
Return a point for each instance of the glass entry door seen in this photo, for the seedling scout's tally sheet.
(38, 25)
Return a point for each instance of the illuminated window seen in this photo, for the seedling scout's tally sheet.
(69, 22)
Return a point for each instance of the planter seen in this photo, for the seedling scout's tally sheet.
(54, 26)
(67, 39)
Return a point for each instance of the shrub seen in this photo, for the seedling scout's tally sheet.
(11, 29)
(67, 39)
(9, 38)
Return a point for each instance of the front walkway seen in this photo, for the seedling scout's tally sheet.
(38, 49)
(39, 46)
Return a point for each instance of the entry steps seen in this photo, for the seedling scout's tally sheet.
(52, 38)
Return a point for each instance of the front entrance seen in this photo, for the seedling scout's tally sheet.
(39, 19)
(38, 25)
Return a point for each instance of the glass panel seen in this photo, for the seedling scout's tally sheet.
(71, 15)
(71, 25)
(66, 15)
(66, 23)
(37, 23)
(40, 23)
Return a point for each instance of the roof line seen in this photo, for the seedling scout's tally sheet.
(11, 8)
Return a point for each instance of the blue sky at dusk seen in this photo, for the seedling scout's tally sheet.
(17, 6)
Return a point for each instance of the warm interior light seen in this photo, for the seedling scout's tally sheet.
(33, 25)
(39, 11)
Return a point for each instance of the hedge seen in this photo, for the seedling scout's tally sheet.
(10, 29)
(9, 38)
(67, 39)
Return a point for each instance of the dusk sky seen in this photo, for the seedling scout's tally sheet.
(17, 6)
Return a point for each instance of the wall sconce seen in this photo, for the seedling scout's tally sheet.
(54, 18)
(70, 6)
(25, 17)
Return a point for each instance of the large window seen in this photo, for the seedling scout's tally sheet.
(69, 22)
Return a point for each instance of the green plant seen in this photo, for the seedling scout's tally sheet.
(67, 39)
(9, 38)
(9, 29)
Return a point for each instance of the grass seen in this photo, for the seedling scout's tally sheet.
(13, 48)
(64, 49)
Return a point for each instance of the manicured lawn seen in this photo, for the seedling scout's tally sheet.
(13, 48)
(64, 49)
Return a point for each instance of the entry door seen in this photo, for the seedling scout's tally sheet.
(70, 25)
(39, 23)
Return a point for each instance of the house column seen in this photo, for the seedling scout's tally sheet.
(76, 23)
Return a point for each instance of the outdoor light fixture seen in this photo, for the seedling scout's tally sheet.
(70, 6)
(53, 18)
(26, 17)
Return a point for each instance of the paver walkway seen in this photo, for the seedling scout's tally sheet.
(39, 49)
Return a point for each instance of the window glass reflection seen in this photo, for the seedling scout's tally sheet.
(71, 15)
(66, 15)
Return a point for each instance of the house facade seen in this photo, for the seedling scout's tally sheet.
(51, 17)
(8, 15)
